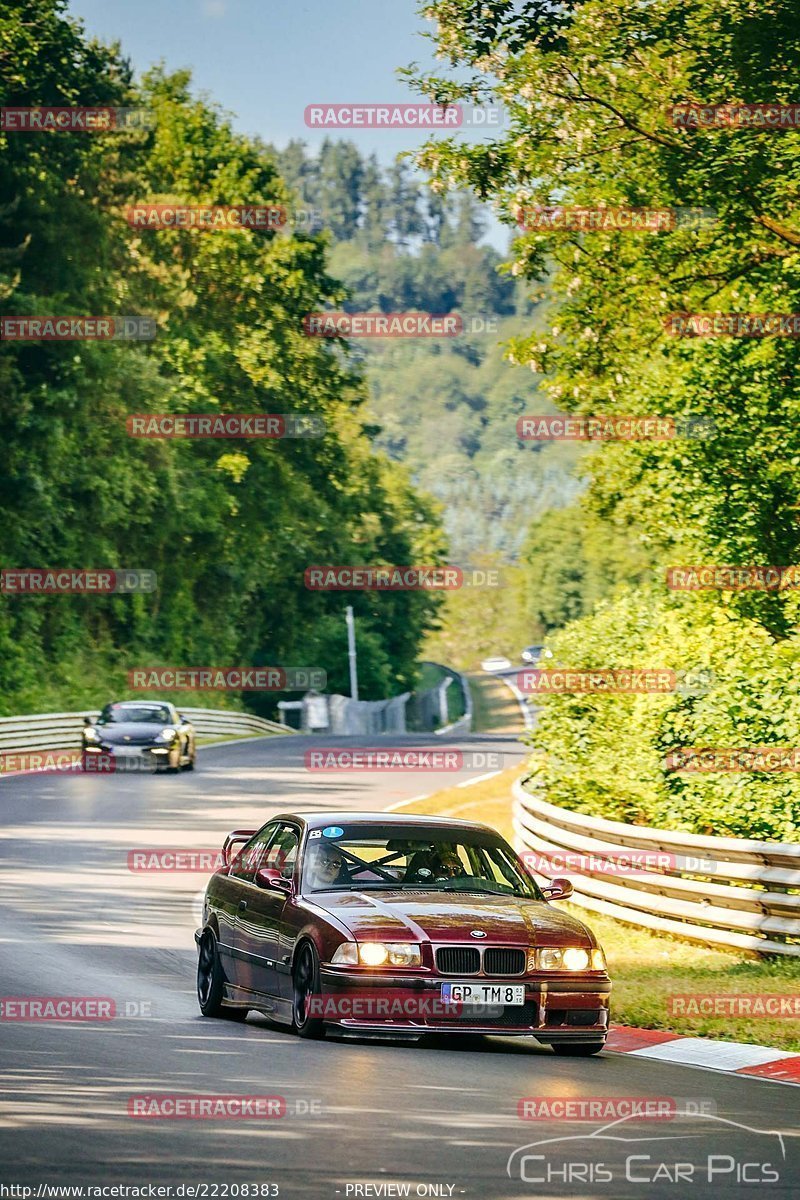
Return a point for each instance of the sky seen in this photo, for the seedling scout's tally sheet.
(265, 62)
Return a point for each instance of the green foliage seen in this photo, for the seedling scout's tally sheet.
(606, 754)
(571, 559)
(476, 622)
(229, 528)
(588, 89)
(588, 98)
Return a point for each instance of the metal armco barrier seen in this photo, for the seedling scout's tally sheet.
(435, 701)
(418, 712)
(62, 731)
(719, 891)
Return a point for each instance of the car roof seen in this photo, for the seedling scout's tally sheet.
(318, 820)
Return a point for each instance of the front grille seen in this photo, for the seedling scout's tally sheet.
(503, 961)
(458, 960)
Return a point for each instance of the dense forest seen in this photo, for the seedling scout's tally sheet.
(447, 409)
(590, 92)
(228, 526)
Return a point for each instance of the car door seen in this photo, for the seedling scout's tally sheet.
(234, 889)
(256, 941)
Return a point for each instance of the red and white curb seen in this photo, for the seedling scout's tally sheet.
(737, 1058)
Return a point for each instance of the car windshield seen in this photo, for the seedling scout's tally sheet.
(150, 714)
(362, 859)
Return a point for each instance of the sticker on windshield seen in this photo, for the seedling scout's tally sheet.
(315, 833)
(333, 831)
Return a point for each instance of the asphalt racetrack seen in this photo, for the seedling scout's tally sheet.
(363, 1117)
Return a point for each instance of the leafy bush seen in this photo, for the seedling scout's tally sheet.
(605, 754)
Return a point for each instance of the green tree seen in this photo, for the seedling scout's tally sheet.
(588, 89)
(229, 528)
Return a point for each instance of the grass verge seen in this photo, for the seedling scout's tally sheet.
(649, 968)
(495, 708)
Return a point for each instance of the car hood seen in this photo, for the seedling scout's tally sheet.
(136, 731)
(450, 917)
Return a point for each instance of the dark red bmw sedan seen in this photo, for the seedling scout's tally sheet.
(400, 925)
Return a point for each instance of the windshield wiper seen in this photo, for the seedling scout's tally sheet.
(368, 886)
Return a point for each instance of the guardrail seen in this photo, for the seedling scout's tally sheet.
(462, 724)
(721, 891)
(62, 731)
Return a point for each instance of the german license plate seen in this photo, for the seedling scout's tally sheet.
(484, 993)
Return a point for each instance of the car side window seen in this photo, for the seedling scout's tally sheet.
(249, 858)
(282, 852)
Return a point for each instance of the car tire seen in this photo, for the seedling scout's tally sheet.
(189, 766)
(577, 1049)
(211, 982)
(305, 983)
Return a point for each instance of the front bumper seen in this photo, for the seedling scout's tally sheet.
(555, 1009)
(121, 757)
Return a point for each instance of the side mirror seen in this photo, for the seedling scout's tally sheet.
(87, 720)
(558, 889)
(270, 877)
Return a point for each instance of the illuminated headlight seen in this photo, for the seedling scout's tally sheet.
(166, 734)
(562, 958)
(576, 958)
(377, 954)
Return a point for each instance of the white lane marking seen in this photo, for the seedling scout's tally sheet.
(478, 779)
(402, 803)
(714, 1055)
(427, 795)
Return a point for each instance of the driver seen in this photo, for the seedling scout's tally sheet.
(327, 867)
(447, 865)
